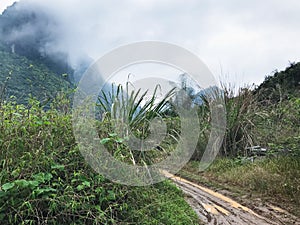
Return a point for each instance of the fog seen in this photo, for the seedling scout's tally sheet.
(241, 41)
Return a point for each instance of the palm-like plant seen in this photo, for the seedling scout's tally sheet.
(132, 114)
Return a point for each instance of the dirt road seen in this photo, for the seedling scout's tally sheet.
(215, 208)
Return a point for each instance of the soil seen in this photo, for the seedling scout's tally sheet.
(214, 208)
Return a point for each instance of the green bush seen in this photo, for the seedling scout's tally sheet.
(45, 180)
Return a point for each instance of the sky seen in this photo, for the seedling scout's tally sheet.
(4, 4)
(240, 41)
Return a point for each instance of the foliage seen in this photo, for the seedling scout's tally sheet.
(128, 121)
(45, 180)
(248, 123)
(280, 86)
(23, 78)
(133, 108)
(241, 110)
(268, 116)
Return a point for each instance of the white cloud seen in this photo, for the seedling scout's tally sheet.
(5, 3)
(248, 39)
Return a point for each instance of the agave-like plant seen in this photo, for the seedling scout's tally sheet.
(132, 113)
(133, 108)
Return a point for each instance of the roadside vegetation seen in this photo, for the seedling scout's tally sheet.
(45, 180)
(267, 116)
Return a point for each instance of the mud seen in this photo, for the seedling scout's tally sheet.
(214, 208)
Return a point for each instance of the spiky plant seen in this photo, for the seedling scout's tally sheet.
(131, 114)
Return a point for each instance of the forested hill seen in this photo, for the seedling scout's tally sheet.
(282, 85)
(25, 69)
(21, 77)
(25, 31)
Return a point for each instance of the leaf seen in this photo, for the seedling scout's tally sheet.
(39, 122)
(59, 167)
(44, 190)
(119, 140)
(15, 173)
(17, 114)
(2, 194)
(86, 183)
(80, 187)
(111, 195)
(33, 183)
(22, 183)
(7, 186)
(105, 140)
(42, 177)
(83, 185)
(99, 190)
(112, 134)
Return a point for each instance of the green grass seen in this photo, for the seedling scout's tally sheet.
(276, 179)
(44, 178)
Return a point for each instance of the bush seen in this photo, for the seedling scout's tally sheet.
(45, 180)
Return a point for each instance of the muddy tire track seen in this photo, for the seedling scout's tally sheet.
(214, 208)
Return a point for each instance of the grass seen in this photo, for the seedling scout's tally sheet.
(45, 180)
(253, 121)
(276, 180)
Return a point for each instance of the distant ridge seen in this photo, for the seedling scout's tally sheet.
(281, 85)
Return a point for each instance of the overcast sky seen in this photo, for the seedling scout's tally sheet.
(241, 41)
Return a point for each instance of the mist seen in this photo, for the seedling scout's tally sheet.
(64, 31)
(242, 41)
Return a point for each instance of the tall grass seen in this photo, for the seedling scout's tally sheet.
(250, 122)
(133, 108)
(242, 110)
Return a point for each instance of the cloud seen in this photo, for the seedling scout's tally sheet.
(247, 39)
(4, 4)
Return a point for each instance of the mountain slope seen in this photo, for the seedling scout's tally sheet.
(281, 85)
(21, 77)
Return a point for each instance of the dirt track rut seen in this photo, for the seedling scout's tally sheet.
(214, 208)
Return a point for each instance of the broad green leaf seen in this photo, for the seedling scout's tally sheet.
(7, 186)
(42, 177)
(22, 183)
(105, 140)
(86, 183)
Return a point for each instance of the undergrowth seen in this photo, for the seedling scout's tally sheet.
(45, 180)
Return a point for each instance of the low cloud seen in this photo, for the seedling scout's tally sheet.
(244, 40)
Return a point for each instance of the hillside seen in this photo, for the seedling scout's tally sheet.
(281, 85)
(25, 31)
(21, 77)
(25, 68)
